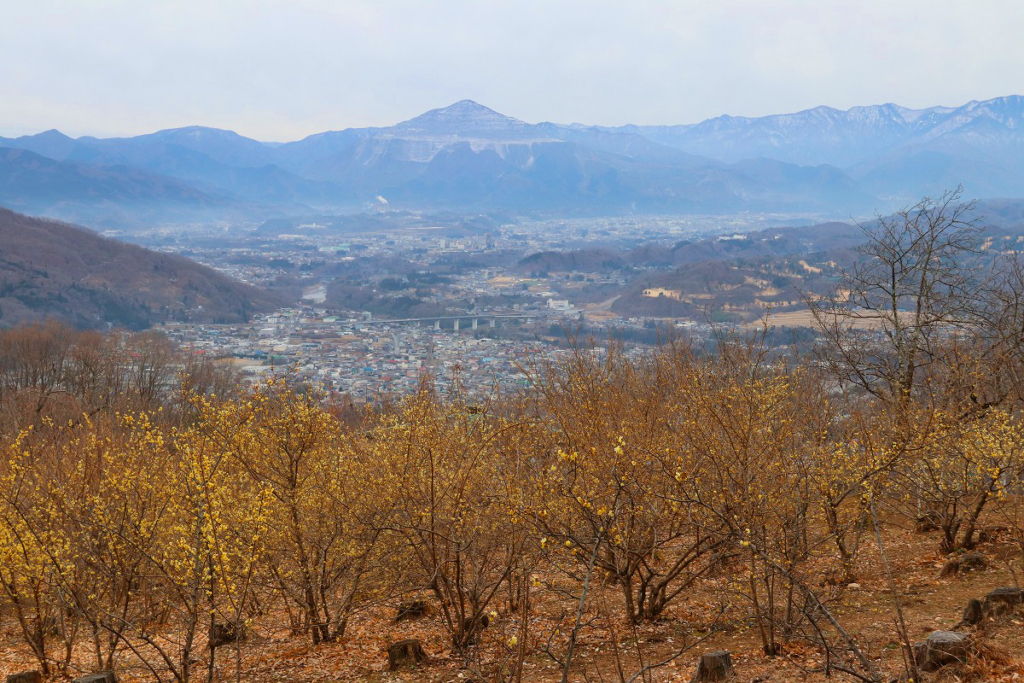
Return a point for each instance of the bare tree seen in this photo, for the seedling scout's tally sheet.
(1001, 337)
(912, 286)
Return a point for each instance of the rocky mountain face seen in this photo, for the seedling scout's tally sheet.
(469, 157)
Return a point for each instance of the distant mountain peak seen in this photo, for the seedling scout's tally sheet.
(50, 143)
(463, 109)
(196, 132)
(464, 118)
(52, 133)
(468, 105)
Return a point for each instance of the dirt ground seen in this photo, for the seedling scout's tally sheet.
(865, 609)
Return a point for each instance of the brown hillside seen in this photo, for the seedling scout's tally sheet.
(50, 269)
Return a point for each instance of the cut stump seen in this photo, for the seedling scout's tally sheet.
(974, 612)
(714, 666)
(1000, 600)
(941, 648)
(406, 653)
(98, 677)
(413, 609)
(224, 634)
(963, 563)
(25, 677)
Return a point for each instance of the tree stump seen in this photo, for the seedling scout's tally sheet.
(413, 609)
(98, 677)
(941, 648)
(964, 563)
(929, 521)
(714, 666)
(471, 630)
(974, 612)
(222, 634)
(1000, 600)
(990, 533)
(25, 677)
(406, 652)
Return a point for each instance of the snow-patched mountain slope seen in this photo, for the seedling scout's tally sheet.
(469, 120)
(844, 138)
(467, 155)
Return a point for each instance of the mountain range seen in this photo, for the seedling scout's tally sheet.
(468, 157)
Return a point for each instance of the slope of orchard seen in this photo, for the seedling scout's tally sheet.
(613, 522)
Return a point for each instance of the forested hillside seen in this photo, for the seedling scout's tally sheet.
(50, 269)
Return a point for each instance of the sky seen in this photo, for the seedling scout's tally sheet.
(279, 71)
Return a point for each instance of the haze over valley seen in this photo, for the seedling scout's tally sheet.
(463, 215)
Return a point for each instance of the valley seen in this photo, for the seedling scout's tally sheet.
(511, 342)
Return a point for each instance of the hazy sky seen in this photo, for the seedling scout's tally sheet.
(282, 70)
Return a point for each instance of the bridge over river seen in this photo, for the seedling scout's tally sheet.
(491, 319)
